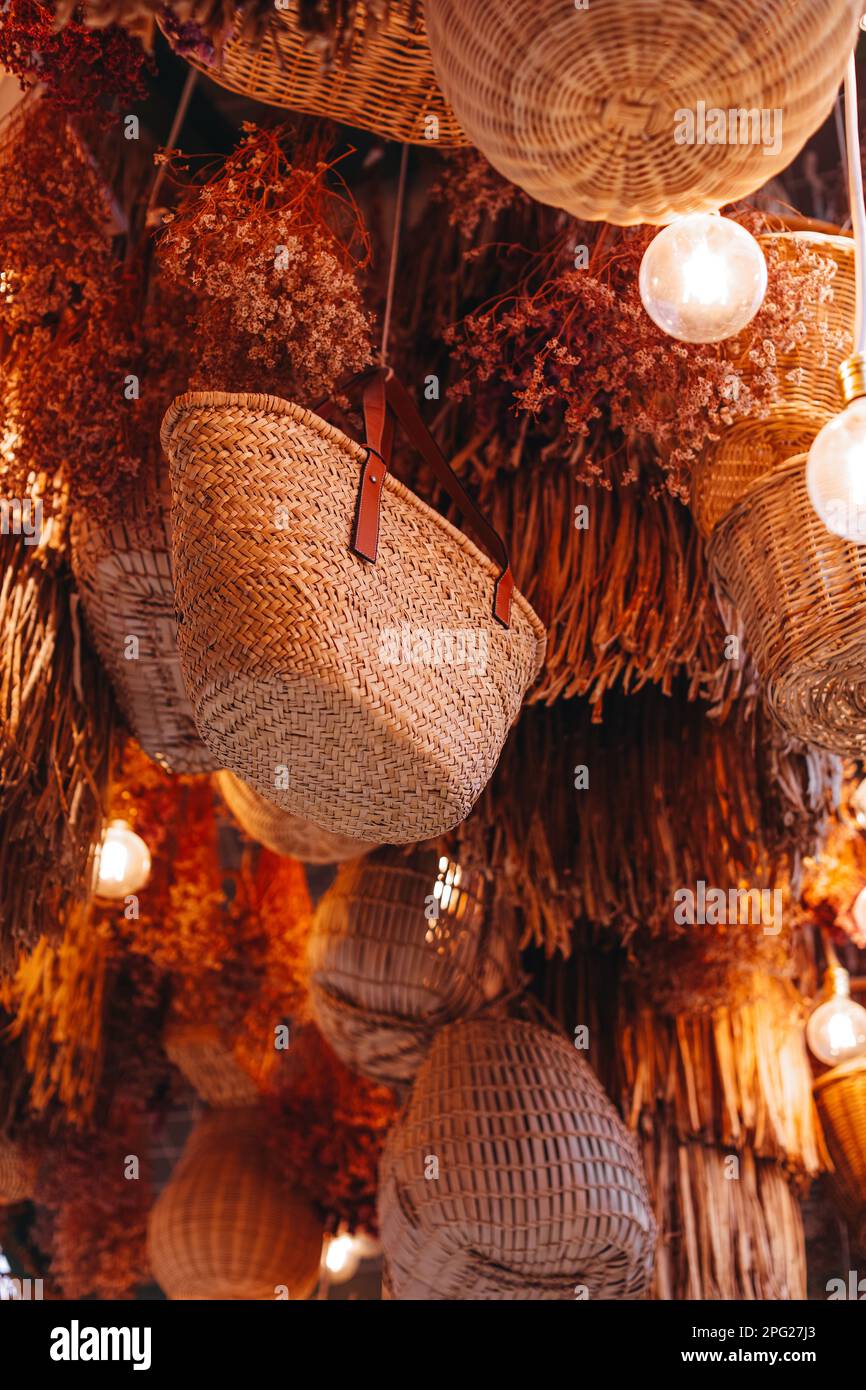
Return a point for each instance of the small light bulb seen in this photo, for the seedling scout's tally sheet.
(342, 1258)
(703, 278)
(836, 473)
(836, 1031)
(122, 862)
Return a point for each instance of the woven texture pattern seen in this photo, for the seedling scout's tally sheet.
(840, 1096)
(285, 633)
(201, 1055)
(539, 1188)
(801, 595)
(577, 106)
(17, 1173)
(282, 832)
(386, 84)
(810, 394)
(226, 1227)
(385, 973)
(124, 577)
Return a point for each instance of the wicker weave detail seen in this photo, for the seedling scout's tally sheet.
(226, 1226)
(540, 1187)
(201, 1054)
(286, 637)
(18, 1171)
(578, 106)
(124, 577)
(840, 1096)
(750, 449)
(385, 976)
(281, 832)
(801, 595)
(386, 84)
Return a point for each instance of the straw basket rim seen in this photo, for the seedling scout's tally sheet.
(839, 1073)
(772, 478)
(262, 403)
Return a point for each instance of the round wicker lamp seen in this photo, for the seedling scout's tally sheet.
(18, 1170)
(582, 106)
(385, 974)
(510, 1176)
(282, 832)
(226, 1227)
(201, 1054)
(840, 1096)
(801, 595)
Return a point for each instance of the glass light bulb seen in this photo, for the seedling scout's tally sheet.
(342, 1258)
(836, 473)
(837, 1030)
(703, 278)
(122, 862)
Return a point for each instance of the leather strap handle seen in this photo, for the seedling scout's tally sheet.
(386, 401)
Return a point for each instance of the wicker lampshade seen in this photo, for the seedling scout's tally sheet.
(510, 1176)
(801, 595)
(384, 977)
(282, 832)
(751, 448)
(202, 1055)
(226, 1226)
(385, 84)
(580, 106)
(18, 1170)
(124, 577)
(840, 1096)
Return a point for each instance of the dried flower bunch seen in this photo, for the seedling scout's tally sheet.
(271, 251)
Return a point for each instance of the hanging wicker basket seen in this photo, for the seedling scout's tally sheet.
(537, 1186)
(801, 595)
(124, 577)
(202, 1055)
(384, 84)
(752, 448)
(840, 1096)
(401, 945)
(281, 832)
(582, 106)
(18, 1170)
(226, 1227)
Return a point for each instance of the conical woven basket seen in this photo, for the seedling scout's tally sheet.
(202, 1055)
(510, 1176)
(385, 84)
(124, 577)
(226, 1226)
(287, 636)
(751, 448)
(18, 1170)
(401, 945)
(582, 106)
(281, 832)
(801, 595)
(840, 1096)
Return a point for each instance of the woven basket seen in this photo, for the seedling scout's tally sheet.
(18, 1171)
(123, 573)
(539, 1189)
(200, 1053)
(226, 1227)
(286, 633)
(577, 106)
(801, 595)
(281, 832)
(751, 448)
(840, 1096)
(386, 84)
(385, 975)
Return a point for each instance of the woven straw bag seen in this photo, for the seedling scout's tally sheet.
(401, 945)
(226, 1226)
(201, 1054)
(124, 578)
(385, 84)
(347, 651)
(751, 448)
(540, 1186)
(581, 107)
(840, 1096)
(801, 595)
(281, 832)
(18, 1170)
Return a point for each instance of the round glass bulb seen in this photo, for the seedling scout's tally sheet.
(836, 1030)
(836, 473)
(342, 1259)
(122, 862)
(703, 278)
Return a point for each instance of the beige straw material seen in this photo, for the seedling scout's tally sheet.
(510, 1176)
(292, 646)
(801, 595)
(840, 1096)
(124, 577)
(384, 84)
(807, 374)
(578, 106)
(282, 832)
(227, 1226)
(18, 1170)
(202, 1055)
(401, 945)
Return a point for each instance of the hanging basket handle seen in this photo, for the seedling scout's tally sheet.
(385, 403)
